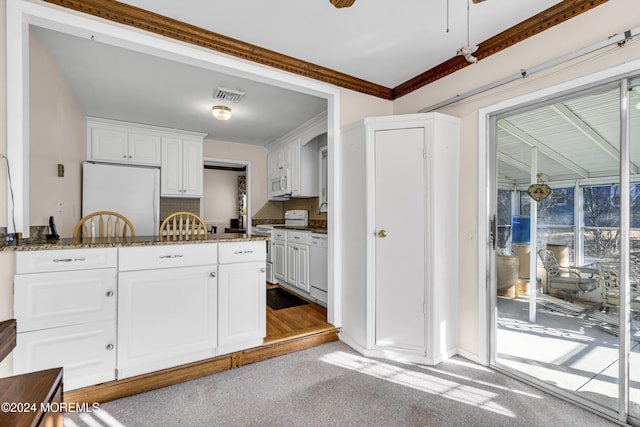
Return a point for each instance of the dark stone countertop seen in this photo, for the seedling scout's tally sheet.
(318, 230)
(136, 241)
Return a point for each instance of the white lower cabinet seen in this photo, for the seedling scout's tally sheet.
(298, 265)
(242, 296)
(163, 306)
(65, 307)
(86, 352)
(166, 316)
(279, 258)
(298, 259)
(242, 305)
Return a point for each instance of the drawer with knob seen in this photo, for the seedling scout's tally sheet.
(86, 352)
(49, 300)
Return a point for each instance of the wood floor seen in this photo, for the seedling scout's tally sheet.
(288, 330)
(293, 322)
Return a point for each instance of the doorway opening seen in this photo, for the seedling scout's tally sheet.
(226, 201)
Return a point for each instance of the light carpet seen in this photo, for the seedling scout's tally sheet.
(331, 385)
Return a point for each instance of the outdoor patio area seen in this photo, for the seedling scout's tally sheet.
(572, 346)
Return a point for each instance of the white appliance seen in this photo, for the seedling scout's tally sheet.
(280, 185)
(265, 230)
(133, 191)
(296, 218)
(318, 266)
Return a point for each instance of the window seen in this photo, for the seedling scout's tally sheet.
(556, 220)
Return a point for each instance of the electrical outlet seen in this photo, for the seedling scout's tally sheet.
(59, 205)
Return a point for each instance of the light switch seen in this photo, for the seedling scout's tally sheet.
(60, 170)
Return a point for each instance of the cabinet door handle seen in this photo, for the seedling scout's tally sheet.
(69, 259)
(109, 347)
(171, 256)
(242, 252)
(263, 270)
(109, 293)
(213, 274)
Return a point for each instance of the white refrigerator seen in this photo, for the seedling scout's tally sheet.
(133, 191)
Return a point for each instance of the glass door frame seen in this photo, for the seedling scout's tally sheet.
(487, 256)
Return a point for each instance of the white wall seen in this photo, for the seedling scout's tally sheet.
(58, 134)
(220, 198)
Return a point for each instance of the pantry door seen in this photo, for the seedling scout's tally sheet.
(400, 227)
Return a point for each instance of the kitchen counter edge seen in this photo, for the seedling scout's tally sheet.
(137, 241)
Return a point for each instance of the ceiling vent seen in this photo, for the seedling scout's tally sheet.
(229, 95)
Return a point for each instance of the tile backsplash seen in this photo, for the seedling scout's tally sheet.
(169, 205)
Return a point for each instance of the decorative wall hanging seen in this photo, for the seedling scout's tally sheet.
(540, 190)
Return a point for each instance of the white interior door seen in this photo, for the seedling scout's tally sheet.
(400, 256)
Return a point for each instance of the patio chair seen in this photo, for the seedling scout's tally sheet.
(565, 279)
(609, 277)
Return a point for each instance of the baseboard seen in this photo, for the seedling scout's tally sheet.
(469, 356)
(388, 353)
(127, 387)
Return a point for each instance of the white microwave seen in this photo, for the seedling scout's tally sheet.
(280, 185)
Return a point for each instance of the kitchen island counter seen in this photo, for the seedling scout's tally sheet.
(69, 243)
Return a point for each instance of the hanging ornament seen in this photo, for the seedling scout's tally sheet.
(540, 190)
(468, 50)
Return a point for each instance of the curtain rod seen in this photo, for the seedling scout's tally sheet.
(619, 39)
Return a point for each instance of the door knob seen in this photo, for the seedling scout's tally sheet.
(382, 233)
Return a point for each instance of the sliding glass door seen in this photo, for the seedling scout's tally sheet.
(567, 200)
(633, 303)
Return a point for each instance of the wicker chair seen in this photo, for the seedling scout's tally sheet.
(183, 226)
(103, 226)
(609, 277)
(565, 279)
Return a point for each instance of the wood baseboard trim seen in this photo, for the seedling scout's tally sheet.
(127, 387)
(290, 346)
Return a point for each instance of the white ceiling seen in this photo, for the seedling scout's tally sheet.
(381, 41)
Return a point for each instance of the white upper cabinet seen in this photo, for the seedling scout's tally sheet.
(115, 143)
(181, 173)
(296, 154)
(177, 153)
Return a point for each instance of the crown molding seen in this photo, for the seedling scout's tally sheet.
(178, 30)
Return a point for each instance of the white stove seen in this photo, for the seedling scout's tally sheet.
(263, 229)
(293, 218)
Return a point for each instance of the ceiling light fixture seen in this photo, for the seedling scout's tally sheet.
(221, 112)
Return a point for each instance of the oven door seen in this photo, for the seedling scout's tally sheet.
(268, 242)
